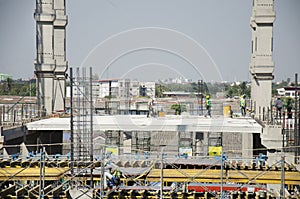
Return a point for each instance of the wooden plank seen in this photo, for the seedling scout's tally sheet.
(242, 176)
(30, 173)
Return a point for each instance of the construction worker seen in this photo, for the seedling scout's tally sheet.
(289, 107)
(243, 105)
(208, 106)
(278, 105)
(112, 178)
(150, 108)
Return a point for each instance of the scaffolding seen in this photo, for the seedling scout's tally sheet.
(81, 116)
(114, 142)
(142, 142)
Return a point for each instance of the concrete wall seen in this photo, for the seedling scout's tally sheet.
(236, 145)
(272, 139)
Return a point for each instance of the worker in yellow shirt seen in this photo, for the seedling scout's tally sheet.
(208, 106)
(243, 105)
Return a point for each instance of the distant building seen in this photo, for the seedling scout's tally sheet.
(120, 88)
(288, 91)
(4, 77)
(129, 88)
(177, 80)
(107, 87)
(147, 89)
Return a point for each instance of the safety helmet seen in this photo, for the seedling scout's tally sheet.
(207, 96)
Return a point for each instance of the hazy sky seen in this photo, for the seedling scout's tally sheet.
(149, 40)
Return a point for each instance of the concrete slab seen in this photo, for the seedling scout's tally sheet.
(167, 123)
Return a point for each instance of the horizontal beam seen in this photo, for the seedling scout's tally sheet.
(236, 176)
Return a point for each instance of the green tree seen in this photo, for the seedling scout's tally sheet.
(19, 88)
(238, 90)
(159, 89)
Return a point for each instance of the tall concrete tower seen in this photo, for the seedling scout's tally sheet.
(50, 63)
(262, 65)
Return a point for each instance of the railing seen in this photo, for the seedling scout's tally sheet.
(17, 114)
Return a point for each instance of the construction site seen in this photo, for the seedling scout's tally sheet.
(74, 154)
(76, 145)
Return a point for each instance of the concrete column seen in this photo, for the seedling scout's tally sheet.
(44, 62)
(59, 36)
(262, 65)
(247, 140)
(50, 63)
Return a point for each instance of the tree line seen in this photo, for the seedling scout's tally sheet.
(227, 89)
(28, 88)
(18, 87)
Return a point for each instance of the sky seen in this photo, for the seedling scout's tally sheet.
(151, 40)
